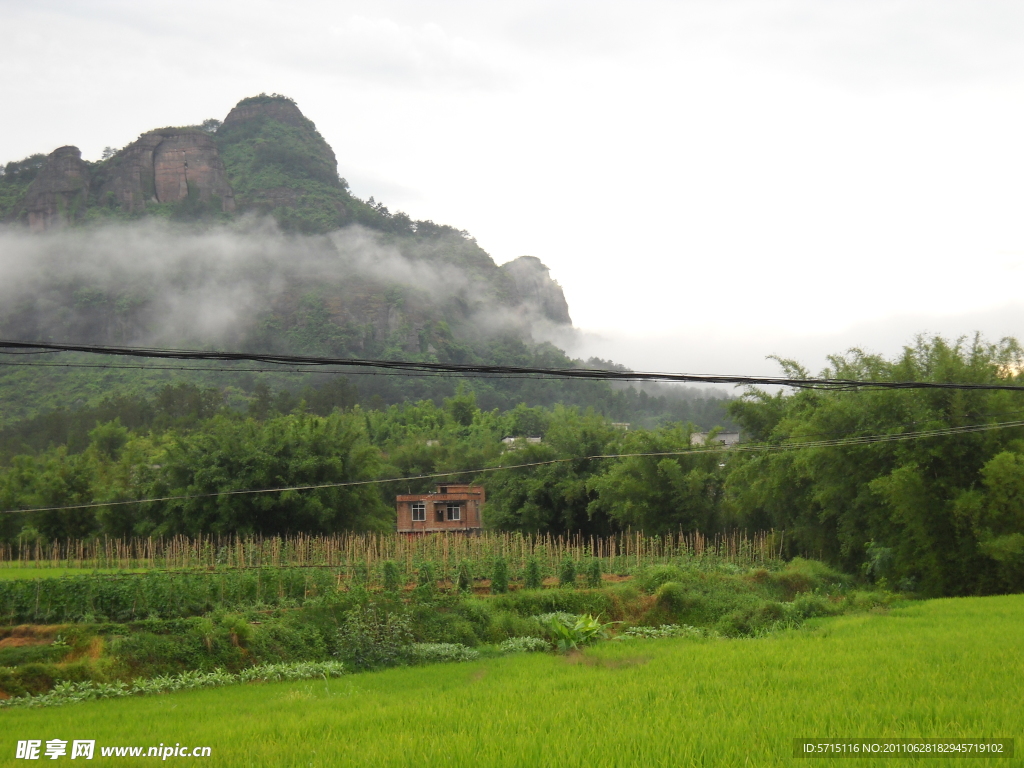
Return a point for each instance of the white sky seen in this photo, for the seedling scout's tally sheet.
(710, 181)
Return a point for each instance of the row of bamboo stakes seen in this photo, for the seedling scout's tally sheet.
(346, 550)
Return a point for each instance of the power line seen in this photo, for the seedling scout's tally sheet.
(749, 448)
(203, 369)
(407, 367)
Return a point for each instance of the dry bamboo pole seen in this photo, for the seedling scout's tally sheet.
(446, 549)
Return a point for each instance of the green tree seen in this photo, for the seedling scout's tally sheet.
(294, 450)
(554, 497)
(660, 493)
(905, 495)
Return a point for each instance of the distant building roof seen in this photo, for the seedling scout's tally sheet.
(728, 439)
(517, 442)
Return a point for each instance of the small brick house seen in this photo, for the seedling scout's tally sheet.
(450, 508)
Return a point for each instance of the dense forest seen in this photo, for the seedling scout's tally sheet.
(940, 512)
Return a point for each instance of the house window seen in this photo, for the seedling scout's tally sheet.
(419, 512)
(454, 512)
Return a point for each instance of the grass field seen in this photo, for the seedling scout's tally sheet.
(944, 668)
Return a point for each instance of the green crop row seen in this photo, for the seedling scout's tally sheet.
(156, 594)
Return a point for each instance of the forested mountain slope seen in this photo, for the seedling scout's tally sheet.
(240, 234)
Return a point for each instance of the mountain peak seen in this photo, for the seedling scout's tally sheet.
(536, 288)
(274, 107)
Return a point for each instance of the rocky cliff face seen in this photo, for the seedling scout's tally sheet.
(537, 290)
(269, 108)
(167, 166)
(266, 157)
(60, 192)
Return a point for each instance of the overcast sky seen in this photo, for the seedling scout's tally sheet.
(710, 182)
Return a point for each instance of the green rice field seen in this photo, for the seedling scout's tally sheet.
(938, 669)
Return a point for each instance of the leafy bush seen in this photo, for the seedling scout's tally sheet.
(464, 578)
(756, 619)
(87, 690)
(533, 602)
(430, 653)
(532, 578)
(802, 575)
(674, 597)
(499, 576)
(650, 579)
(524, 645)
(426, 577)
(807, 606)
(567, 573)
(148, 654)
(568, 635)
(593, 571)
(505, 624)
(161, 594)
(391, 575)
(864, 601)
(30, 654)
(665, 630)
(281, 642)
(477, 613)
(370, 638)
(545, 618)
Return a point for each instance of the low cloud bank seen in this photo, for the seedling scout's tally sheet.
(157, 283)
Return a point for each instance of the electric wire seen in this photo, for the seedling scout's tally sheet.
(203, 369)
(404, 367)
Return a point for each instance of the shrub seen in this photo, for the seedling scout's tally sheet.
(570, 635)
(567, 573)
(239, 630)
(802, 575)
(37, 677)
(29, 654)
(370, 638)
(434, 623)
(360, 574)
(506, 624)
(705, 599)
(543, 619)
(808, 606)
(477, 613)
(531, 603)
(499, 576)
(756, 620)
(431, 653)
(464, 577)
(524, 645)
(863, 601)
(674, 597)
(425, 577)
(650, 579)
(157, 594)
(426, 585)
(86, 690)
(593, 571)
(278, 643)
(147, 654)
(391, 575)
(665, 630)
(532, 578)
